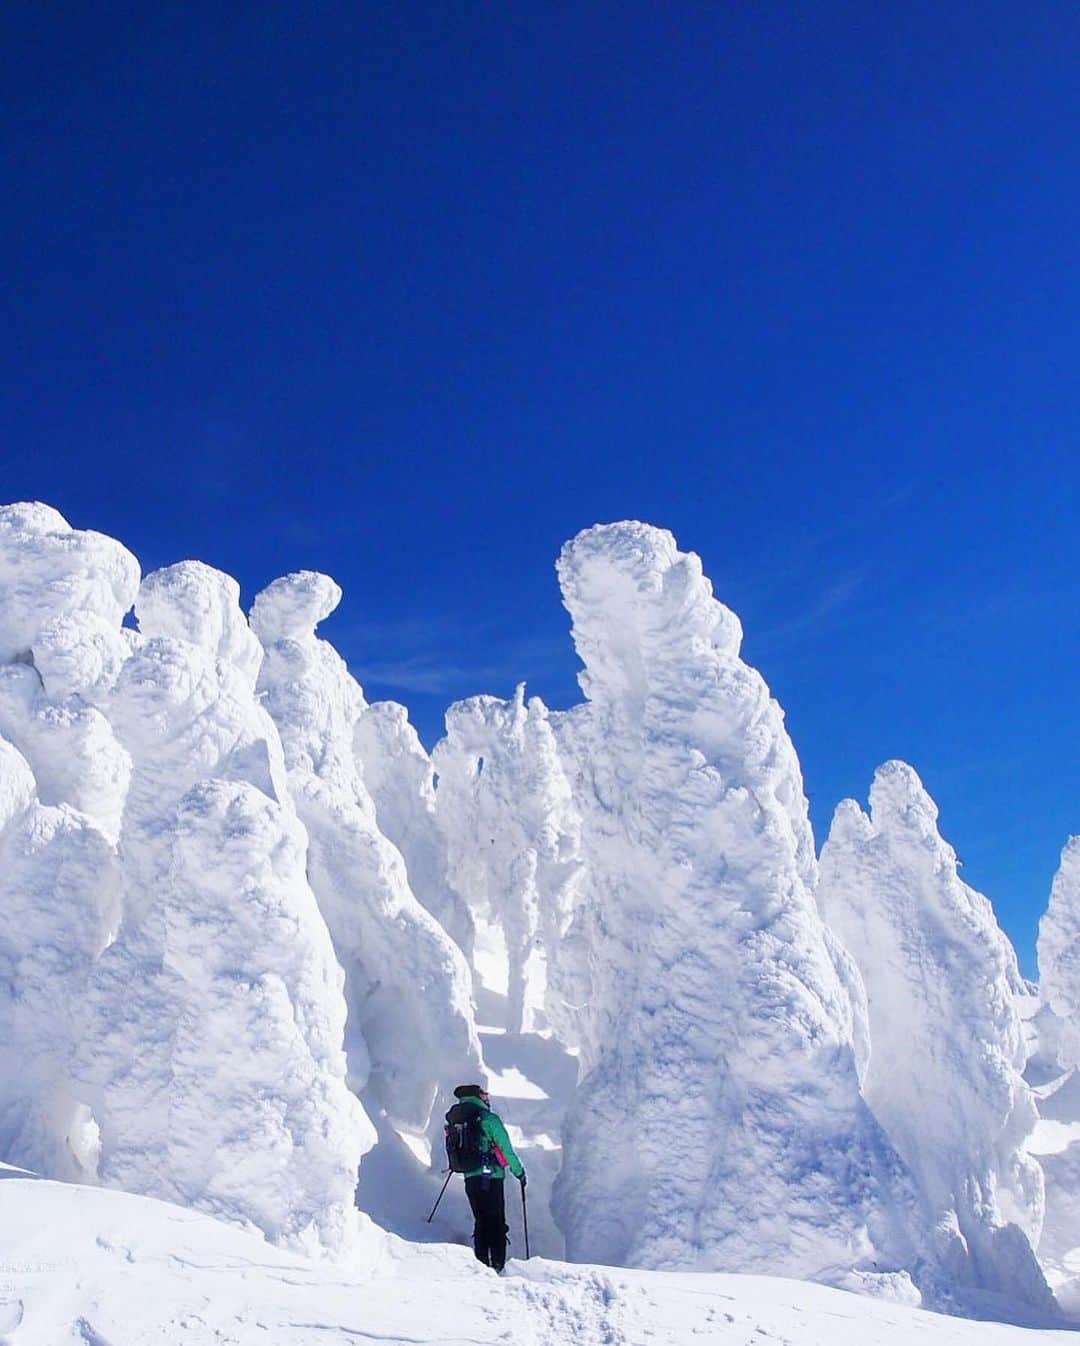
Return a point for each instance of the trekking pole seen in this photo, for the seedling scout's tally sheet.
(525, 1220)
(445, 1185)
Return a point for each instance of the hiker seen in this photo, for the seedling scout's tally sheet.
(485, 1155)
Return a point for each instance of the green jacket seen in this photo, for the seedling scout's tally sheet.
(496, 1137)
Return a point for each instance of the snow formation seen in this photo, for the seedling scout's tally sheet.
(720, 1123)
(236, 900)
(411, 1035)
(512, 835)
(944, 1074)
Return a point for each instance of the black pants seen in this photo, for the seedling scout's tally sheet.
(489, 1213)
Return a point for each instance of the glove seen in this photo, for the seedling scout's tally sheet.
(522, 1179)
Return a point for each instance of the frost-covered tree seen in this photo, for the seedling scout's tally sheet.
(411, 1033)
(401, 780)
(213, 1047)
(63, 783)
(1059, 953)
(63, 596)
(1059, 1025)
(58, 894)
(947, 1040)
(719, 1123)
(512, 834)
(261, 1126)
(49, 570)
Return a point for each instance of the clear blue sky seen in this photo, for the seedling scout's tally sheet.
(410, 293)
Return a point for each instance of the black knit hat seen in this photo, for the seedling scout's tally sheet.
(469, 1091)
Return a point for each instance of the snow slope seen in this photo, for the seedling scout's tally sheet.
(88, 1267)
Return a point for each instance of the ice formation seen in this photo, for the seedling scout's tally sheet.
(944, 1076)
(411, 1034)
(513, 837)
(401, 779)
(720, 1123)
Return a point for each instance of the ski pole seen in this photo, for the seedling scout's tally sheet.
(445, 1185)
(525, 1220)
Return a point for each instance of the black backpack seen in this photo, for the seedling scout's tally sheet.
(467, 1146)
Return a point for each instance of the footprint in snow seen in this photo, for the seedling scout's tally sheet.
(88, 1335)
(11, 1315)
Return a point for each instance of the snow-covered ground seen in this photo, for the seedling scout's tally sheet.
(83, 1266)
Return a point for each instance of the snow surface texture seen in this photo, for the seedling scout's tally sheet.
(513, 836)
(944, 1076)
(80, 1267)
(720, 1123)
(411, 1034)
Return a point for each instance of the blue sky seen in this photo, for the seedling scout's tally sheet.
(410, 293)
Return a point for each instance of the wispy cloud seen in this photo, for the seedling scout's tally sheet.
(830, 600)
(427, 675)
(445, 656)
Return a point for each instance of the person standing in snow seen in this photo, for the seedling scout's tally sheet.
(488, 1154)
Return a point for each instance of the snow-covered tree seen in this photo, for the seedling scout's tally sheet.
(947, 1040)
(63, 783)
(719, 1123)
(63, 596)
(1059, 953)
(58, 895)
(262, 1127)
(512, 834)
(213, 1047)
(49, 570)
(411, 1034)
(1058, 1025)
(401, 780)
